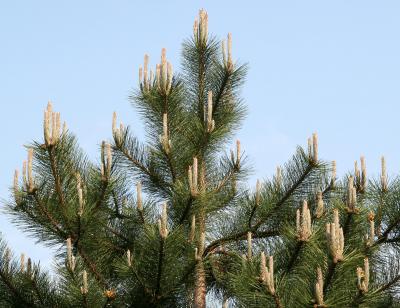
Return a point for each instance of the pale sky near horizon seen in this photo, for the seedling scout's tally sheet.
(326, 66)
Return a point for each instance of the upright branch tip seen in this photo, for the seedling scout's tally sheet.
(163, 222)
(371, 236)
(384, 180)
(320, 205)
(164, 138)
(71, 262)
(335, 238)
(129, 258)
(249, 246)
(192, 229)
(200, 28)
(363, 174)
(51, 126)
(139, 196)
(319, 288)
(193, 178)
(210, 122)
(84, 287)
(363, 277)
(267, 273)
(303, 223)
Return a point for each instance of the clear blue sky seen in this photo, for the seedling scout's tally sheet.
(326, 66)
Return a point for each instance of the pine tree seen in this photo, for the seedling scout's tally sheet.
(166, 222)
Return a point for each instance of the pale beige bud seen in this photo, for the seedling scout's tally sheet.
(298, 221)
(203, 25)
(363, 173)
(319, 289)
(196, 29)
(303, 223)
(80, 198)
(56, 133)
(336, 217)
(366, 274)
(360, 276)
(190, 180)
(109, 158)
(29, 268)
(271, 280)
(357, 174)
(335, 238)
(192, 229)
(151, 77)
(354, 197)
(114, 123)
(195, 176)
(47, 123)
(84, 288)
(249, 246)
(22, 263)
(24, 174)
(309, 142)
(371, 235)
(163, 222)
(46, 128)
(209, 112)
(140, 74)
(384, 181)
(315, 147)
(363, 277)
(158, 76)
(163, 68)
(350, 200)
(230, 62)
(16, 186)
(320, 205)
(30, 172)
(238, 153)
(170, 75)
(145, 71)
(263, 265)
(51, 125)
(70, 256)
(278, 177)
(53, 128)
(129, 258)
(139, 196)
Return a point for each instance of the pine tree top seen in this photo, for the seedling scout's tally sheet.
(163, 223)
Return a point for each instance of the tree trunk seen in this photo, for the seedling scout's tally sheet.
(200, 286)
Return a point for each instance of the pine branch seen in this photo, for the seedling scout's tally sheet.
(160, 267)
(91, 266)
(13, 289)
(294, 256)
(236, 237)
(50, 218)
(286, 196)
(58, 186)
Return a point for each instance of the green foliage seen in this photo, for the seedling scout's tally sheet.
(214, 228)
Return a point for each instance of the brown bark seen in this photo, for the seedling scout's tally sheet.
(200, 286)
(200, 276)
